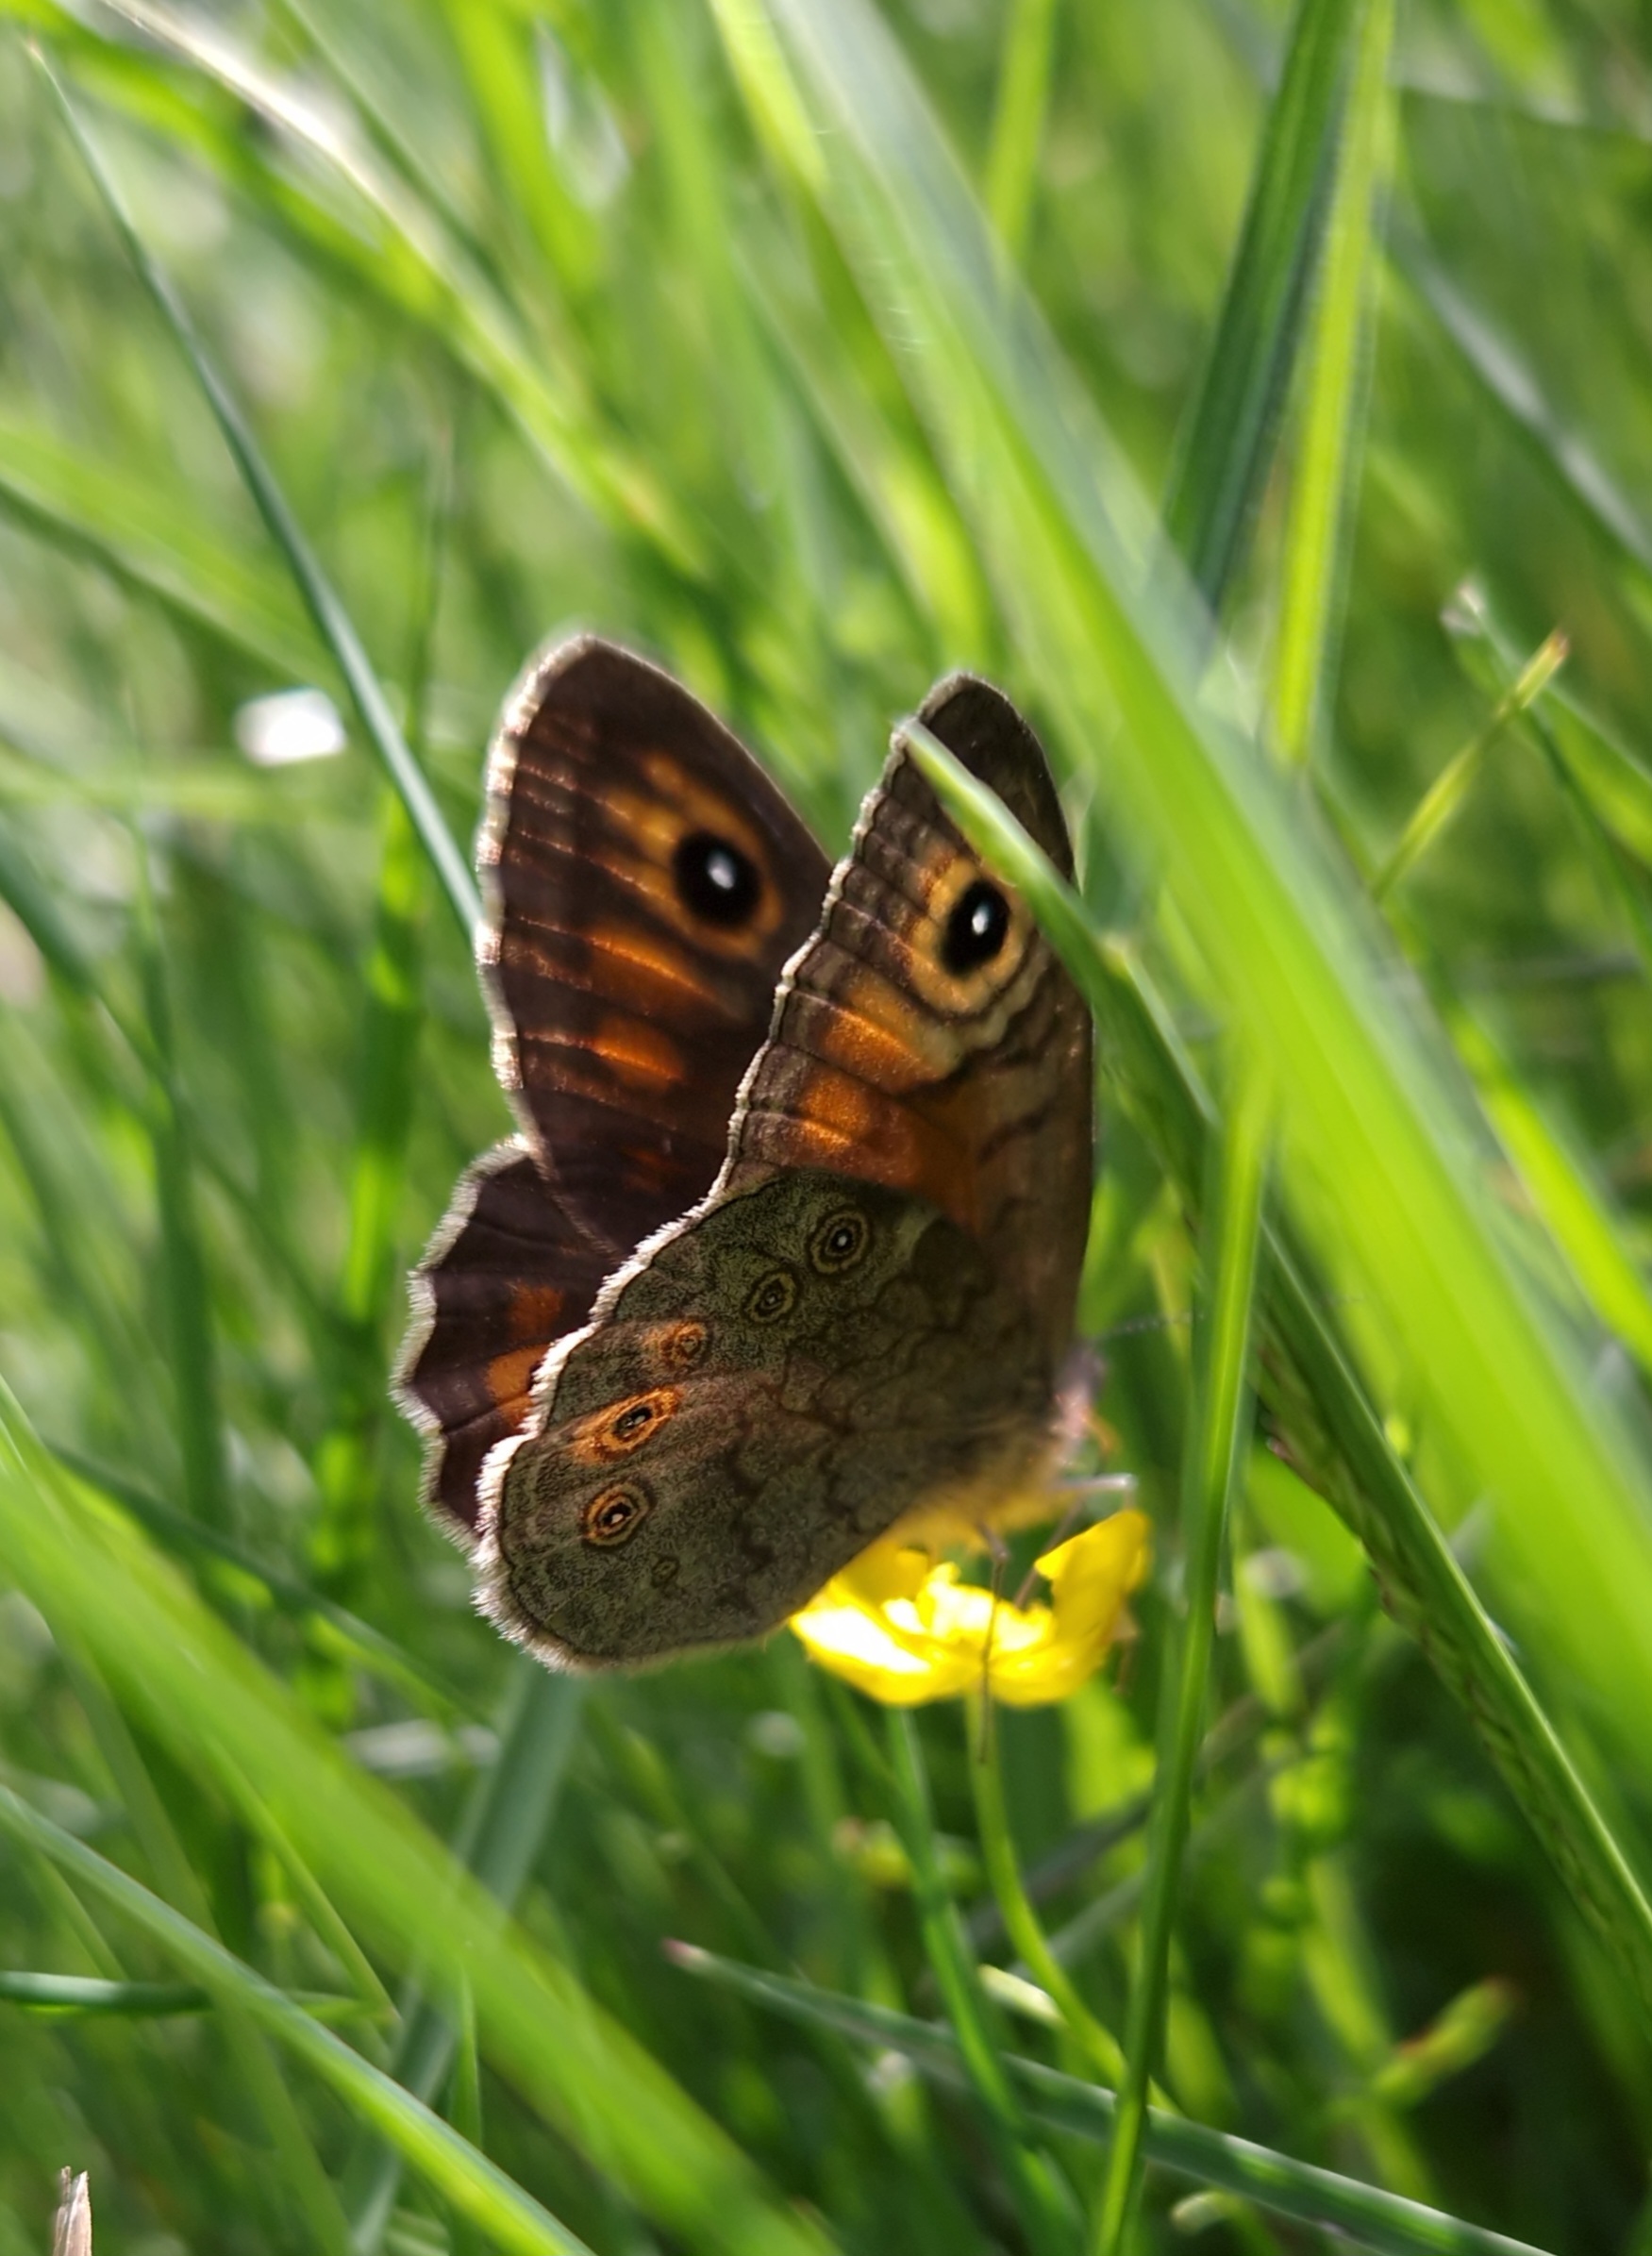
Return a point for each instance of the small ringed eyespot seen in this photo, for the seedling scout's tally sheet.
(771, 1296)
(631, 1422)
(682, 1347)
(840, 1241)
(664, 1570)
(614, 1514)
(975, 930)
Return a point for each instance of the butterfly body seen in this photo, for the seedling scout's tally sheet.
(785, 1256)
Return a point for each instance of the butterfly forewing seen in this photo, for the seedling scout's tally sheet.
(648, 883)
(928, 1038)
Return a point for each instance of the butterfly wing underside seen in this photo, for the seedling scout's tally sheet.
(929, 1038)
(645, 883)
(860, 1327)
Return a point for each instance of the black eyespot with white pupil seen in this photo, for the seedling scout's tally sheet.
(839, 1242)
(975, 930)
(715, 879)
(630, 1422)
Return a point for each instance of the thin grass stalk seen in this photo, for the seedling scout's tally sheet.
(300, 2173)
(339, 1633)
(1434, 812)
(1226, 440)
(333, 620)
(1389, 2224)
(213, 1703)
(1018, 119)
(511, 2218)
(1039, 2197)
(504, 1825)
(342, 1542)
(1021, 1922)
(1345, 1453)
(1222, 1349)
(185, 1290)
(1336, 375)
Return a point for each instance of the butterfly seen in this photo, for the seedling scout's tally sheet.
(785, 1252)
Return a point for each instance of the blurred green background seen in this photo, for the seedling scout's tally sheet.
(674, 319)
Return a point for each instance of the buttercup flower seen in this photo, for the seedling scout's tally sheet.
(907, 1630)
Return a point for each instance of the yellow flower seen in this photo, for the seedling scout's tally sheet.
(907, 1630)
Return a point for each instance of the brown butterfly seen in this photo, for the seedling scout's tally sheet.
(730, 1308)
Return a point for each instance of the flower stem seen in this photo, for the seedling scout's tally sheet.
(1040, 2197)
(1221, 1351)
(1021, 1923)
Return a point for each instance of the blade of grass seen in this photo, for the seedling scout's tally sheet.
(340, 1632)
(1368, 1125)
(1040, 2199)
(499, 1837)
(1382, 2221)
(136, 530)
(1018, 119)
(185, 1290)
(1227, 438)
(511, 2218)
(224, 1716)
(66, 1995)
(1014, 1905)
(426, 277)
(304, 2181)
(1445, 794)
(1214, 1451)
(1353, 1464)
(1335, 374)
(341, 1544)
(332, 622)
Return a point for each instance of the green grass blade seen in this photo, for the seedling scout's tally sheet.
(511, 2218)
(1382, 2221)
(1223, 454)
(1326, 1411)
(1215, 1448)
(333, 620)
(216, 1706)
(343, 1635)
(1445, 794)
(1018, 121)
(1363, 1113)
(1039, 2197)
(428, 280)
(66, 1995)
(506, 1820)
(185, 1286)
(1333, 409)
(135, 529)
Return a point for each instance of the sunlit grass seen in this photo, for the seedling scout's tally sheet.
(816, 348)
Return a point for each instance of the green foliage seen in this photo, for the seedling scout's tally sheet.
(817, 346)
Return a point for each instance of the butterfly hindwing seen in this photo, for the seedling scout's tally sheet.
(507, 1274)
